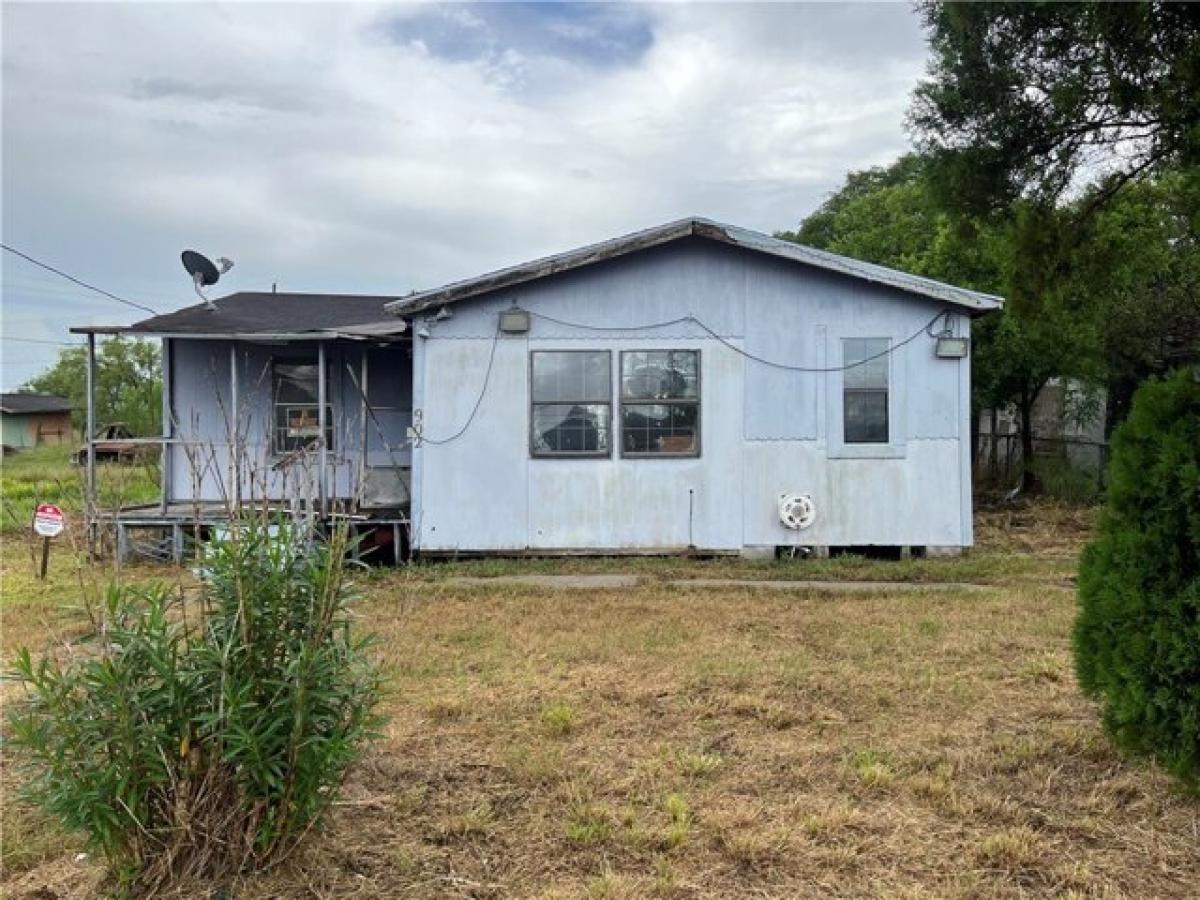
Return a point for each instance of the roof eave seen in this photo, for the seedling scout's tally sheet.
(540, 268)
(350, 332)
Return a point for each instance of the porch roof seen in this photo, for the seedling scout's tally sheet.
(263, 315)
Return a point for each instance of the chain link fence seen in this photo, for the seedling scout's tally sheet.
(1074, 466)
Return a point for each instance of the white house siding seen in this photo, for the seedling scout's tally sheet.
(764, 431)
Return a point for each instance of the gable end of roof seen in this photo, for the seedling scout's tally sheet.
(971, 301)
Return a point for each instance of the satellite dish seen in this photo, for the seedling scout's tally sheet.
(204, 271)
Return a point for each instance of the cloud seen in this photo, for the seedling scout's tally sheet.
(381, 149)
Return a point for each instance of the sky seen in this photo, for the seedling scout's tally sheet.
(384, 149)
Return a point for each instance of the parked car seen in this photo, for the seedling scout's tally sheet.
(114, 443)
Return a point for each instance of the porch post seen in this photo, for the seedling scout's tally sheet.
(234, 439)
(323, 447)
(363, 376)
(89, 484)
(168, 427)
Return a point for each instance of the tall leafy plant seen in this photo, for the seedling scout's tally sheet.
(207, 736)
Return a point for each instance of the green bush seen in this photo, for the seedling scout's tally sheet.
(199, 738)
(1137, 635)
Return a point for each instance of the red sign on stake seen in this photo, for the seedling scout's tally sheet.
(48, 520)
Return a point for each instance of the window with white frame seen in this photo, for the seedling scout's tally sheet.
(660, 403)
(295, 405)
(571, 400)
(865, 390)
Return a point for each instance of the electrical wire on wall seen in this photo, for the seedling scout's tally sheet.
(487, 377)
(924, 329)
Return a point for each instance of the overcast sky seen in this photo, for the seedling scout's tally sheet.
(380, 149)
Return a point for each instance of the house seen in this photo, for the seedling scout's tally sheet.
(1068, 419)
(693, 385)
(31, 420)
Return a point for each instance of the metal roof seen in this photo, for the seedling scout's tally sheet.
(973, 301)
(25, 403)
(276, 316)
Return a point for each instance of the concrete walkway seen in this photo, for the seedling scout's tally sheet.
(595, 582)
(616, 580)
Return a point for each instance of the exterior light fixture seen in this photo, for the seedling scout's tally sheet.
(514, 321)
(952, 347)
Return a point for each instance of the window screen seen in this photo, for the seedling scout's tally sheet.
(572, 402)
(389, 395)
(660, 402)
(865, 390)
(294, 394)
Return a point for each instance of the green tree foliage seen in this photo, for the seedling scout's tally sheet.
(202, 741)
(1138, 259)
(128, 384)
(1137, 635)
(1024, 98)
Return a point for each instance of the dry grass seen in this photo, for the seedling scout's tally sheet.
(682, 742)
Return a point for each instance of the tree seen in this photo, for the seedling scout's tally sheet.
(1137, 633)
(1139, 259)
(1027, 99)
(128, 383)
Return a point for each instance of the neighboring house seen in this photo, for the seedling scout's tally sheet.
(693, 385)
(31, 420)
(1068, 425)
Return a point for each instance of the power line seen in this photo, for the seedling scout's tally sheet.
(72, 278)
(25, 340)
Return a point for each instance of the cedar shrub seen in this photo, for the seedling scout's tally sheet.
(1137, 634)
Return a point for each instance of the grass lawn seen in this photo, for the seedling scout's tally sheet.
(678, 741)
(47, 475)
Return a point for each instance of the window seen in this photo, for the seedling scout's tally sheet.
(572, 403)
(294, 392)
(660, 402)
(865, 391)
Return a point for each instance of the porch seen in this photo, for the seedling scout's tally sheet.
(308, 423)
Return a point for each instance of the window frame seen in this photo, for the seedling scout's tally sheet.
(534, 453)
(695, 452)
(886, 355)
(329, 439)
(832, 428)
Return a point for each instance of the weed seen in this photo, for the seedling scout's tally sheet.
(698, 765)
(447, 709)
(588, 824)
(680, 816)
(871, 769)
(1010, 848)
(930, 628)
(558, 719)
(1046, 667)
(475, 822)
(538, 764)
